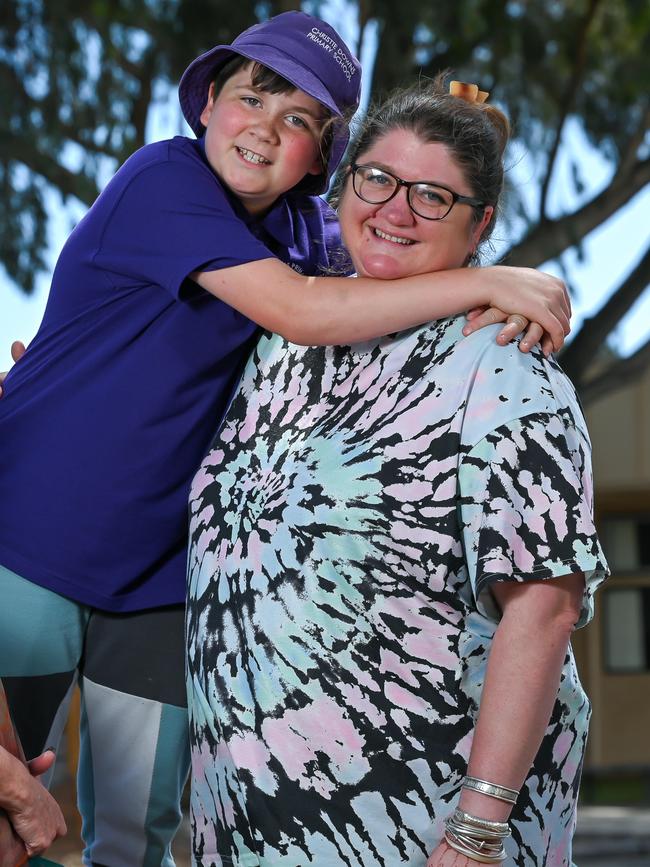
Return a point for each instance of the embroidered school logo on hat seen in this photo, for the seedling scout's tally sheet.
(348, 65)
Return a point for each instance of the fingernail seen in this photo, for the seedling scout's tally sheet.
(50, 750)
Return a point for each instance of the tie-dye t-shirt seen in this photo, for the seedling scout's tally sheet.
(345, 529)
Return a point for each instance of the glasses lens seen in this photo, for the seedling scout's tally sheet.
(372, 185)
(430, 201)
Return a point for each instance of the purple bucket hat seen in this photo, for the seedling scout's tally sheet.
(305, 50)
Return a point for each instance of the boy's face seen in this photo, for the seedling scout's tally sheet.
(261, 144)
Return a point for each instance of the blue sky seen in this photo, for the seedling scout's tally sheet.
(610, 252)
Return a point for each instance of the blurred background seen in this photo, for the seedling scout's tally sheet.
(83, 83)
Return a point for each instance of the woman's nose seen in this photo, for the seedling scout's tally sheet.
(397, 210)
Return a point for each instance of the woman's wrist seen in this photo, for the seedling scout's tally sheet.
(478, 804)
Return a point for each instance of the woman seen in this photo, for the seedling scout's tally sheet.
(390, 546)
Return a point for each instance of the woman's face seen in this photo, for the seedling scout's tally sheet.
(388, 241)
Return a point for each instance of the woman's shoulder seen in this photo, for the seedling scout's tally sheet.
(507, 384)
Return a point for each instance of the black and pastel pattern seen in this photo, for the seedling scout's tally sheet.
(346, 526)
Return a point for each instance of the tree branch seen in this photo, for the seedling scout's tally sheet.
(68, 131)
(629, 155)
(21, 149)
(579, 354)
(568, 100)
(140, 108)
(363, 16)
(620, 374)
(552, 237)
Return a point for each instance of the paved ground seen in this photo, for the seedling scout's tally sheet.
(612, 837)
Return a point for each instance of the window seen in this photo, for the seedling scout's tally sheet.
(626, 543)
(627, 629)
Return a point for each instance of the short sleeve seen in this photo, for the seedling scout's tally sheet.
(526, 508)
(170, 218)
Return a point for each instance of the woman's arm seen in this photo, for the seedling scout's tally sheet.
(520, 689)
(331, 310)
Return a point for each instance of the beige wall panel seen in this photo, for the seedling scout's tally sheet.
(620, 435)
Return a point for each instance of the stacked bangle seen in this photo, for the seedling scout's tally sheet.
(476, 838)
(502, 793)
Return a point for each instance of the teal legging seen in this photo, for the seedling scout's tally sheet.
(134, 752)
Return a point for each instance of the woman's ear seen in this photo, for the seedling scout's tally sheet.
(479, 228)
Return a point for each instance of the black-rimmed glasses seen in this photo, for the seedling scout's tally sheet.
(428, 200)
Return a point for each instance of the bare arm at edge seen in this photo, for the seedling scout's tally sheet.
(17, 351)
(521, 685)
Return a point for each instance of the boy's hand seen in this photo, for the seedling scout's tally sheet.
(516, 323)
(539, 297)
(17, 351)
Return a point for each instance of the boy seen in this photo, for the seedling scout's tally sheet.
(105, 419)
(108, 414)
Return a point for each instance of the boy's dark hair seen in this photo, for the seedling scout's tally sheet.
(262, 77)
(268, 81)
(475, 134)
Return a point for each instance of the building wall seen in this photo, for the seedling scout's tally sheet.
(619, 425)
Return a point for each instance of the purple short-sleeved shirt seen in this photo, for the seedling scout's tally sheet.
(107, 416)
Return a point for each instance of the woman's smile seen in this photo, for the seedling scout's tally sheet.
(394, 239)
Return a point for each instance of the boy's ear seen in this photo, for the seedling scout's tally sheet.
(316, 167)
(207, 111)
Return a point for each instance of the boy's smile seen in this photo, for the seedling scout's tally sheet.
(250, 156)
(261, 144)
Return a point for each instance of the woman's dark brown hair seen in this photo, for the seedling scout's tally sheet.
(475, 134)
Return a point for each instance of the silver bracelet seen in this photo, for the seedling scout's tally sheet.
(501, 793)
(479, 839)
(472, 852)
(498, 829)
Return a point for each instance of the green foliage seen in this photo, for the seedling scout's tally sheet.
(77, 79)
(76, 84)
(588, 59)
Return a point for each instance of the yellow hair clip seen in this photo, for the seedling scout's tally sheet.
(468, 92)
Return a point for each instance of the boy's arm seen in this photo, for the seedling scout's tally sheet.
(333, 310)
